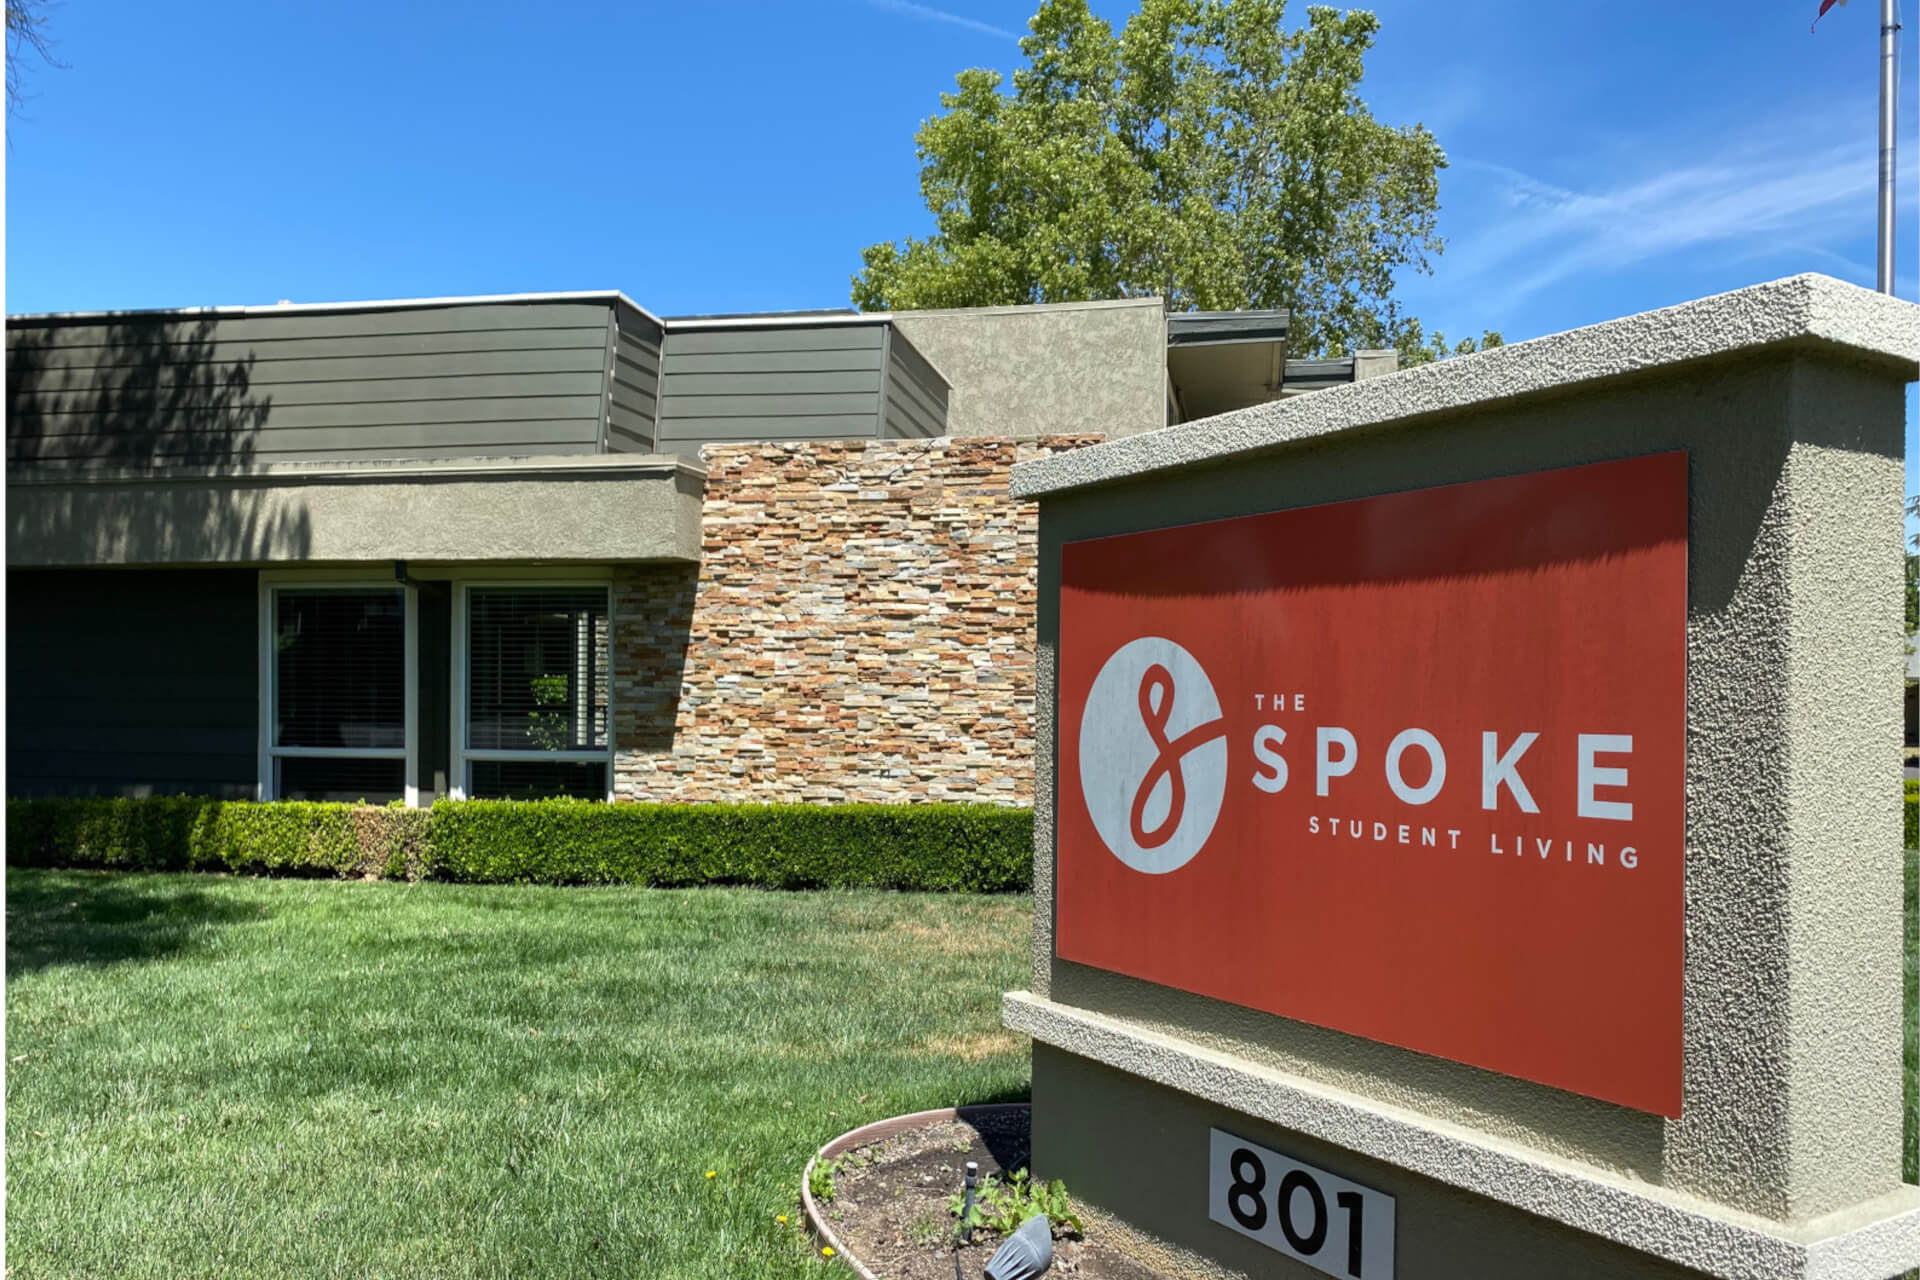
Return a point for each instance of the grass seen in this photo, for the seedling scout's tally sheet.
(234, 1077)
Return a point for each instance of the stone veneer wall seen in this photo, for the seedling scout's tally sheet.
(860, 628)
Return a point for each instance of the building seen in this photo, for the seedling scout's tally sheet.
(555, 544)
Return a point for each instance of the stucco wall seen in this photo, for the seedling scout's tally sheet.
(1028, 372)
(606, 507)
(860, 627)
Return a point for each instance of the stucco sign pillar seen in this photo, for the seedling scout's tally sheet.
(1467, 815)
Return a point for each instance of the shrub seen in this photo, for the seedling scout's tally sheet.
(1913, 812)
(190, 833)
(954, 847)
(963, 848)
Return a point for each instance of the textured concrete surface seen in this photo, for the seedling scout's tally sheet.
(605, 508)
(1792, 989)
(1808, 311)
(1038, 371)
(1467, 1204)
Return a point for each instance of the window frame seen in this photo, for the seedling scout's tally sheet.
(459, 781)
(271, 587)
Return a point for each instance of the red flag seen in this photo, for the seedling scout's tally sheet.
(1824, 6)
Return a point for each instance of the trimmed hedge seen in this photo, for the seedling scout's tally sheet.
(968, 848)
(948, 847)
(188, 833)
(1913, 812)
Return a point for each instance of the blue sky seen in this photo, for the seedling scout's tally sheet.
(1606, 158)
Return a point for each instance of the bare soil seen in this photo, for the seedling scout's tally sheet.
(892, 1200)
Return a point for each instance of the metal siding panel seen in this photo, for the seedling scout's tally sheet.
(734, 362)
(376, 414)
(917, 395)
(827, 338)
(336, 324)
(782, 384)
(762, 406)
(636, 399)
(634, 389)
(69, 664)
(914, 402)
(905, 417)
(211, 389)
(854, 426)
(771, 384)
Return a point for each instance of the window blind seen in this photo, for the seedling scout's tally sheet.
(340, 669)
(537, 669)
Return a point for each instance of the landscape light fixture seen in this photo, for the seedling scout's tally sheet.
(1026, 1253)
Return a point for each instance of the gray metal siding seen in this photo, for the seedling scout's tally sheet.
(916, 403)
(135, 390)
(633, 400)
(128, 682)
(816, 382)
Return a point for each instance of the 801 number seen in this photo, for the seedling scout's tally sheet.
(1325, 1221)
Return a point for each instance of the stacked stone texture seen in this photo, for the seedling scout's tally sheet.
(860, 628)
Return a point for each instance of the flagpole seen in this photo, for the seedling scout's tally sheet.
(1889, 29)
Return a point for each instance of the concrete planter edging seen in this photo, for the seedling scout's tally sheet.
(866, 1133)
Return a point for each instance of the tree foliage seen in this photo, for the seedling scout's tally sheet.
(1415, 347)
(1205, 153)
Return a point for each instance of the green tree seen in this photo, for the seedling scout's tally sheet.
(1405, 336)
(1205, 153)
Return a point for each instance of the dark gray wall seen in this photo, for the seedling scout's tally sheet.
(633, 395)
(916, 398)
(123, 682)
(808, 382)
(504, 379)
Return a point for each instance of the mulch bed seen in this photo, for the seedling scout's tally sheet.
(891, 1205)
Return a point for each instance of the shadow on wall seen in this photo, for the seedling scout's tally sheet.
(653, 625)
(136, 395)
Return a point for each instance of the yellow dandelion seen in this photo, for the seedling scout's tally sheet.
(781, 1219)
(710, 1173)
(826, 1251)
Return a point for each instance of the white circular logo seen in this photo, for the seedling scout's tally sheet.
(1153, 755)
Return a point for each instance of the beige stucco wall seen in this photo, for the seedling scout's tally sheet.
(601, 508)
(1792, 1018)
(1066, 368)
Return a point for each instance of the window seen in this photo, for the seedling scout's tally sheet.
(337, 694)
(534, 709)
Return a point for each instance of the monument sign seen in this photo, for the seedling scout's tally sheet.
(1467, 838)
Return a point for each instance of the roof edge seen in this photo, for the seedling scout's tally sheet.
(612, 297)
(1812, 311)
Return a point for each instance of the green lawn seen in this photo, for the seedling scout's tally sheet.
(212, 1076)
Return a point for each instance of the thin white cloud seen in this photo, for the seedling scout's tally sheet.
(1783, 194)
(930, 14)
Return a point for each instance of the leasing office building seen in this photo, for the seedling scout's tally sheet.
(554, 544)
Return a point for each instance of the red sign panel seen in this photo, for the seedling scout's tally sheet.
(1410, 767)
